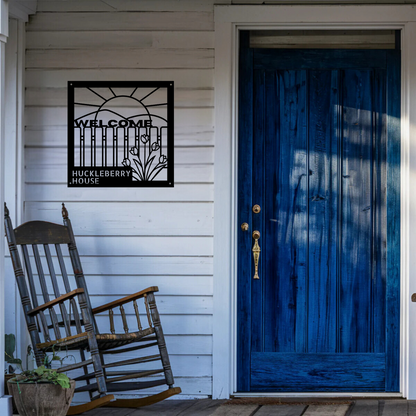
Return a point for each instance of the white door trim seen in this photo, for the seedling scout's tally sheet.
(228, 21)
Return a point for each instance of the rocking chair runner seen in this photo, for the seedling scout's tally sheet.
(72, 312)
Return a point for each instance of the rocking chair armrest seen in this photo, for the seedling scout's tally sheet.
(60, 299)
(124, 300)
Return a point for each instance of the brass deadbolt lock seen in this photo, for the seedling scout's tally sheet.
(256, 209)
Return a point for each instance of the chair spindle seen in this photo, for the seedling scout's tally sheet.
(64, 273)
(32, 290)
(123, 317)
(44, 288)
(111, 315)
(147, 310)
(136, 311)
(65, 318)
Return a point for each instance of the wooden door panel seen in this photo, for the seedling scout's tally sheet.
(318, 372)
(285, 241)
(323, 214)
(356, 212)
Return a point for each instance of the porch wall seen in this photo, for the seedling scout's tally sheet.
(132, 238)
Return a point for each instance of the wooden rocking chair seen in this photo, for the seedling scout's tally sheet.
(69, 310)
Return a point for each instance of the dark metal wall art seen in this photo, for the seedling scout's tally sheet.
(120, 134)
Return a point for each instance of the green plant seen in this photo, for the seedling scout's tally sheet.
(9, 348)
(42, 375)
(49, 359)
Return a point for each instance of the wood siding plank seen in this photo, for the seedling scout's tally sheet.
(145, 245)
(135, 219)
(192, 387)
(57, 116)
(171, 285)
(135, 58)
(192, 325)
(168, 305)
(58, 97)
(141, 21)
(135, 267)
(182, 77)
(59, 193)
(126, 5)
(131, 39)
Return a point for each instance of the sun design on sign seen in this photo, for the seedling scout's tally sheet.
(128, 128)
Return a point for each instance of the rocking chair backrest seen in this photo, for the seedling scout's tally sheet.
(44, 240)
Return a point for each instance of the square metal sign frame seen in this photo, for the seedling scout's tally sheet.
(120, 134)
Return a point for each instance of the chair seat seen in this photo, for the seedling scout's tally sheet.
(105, 341)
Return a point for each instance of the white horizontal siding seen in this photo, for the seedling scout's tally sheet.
(59, 193)
(127, 5)
(57, 97)
(136, 58)
(122, 21)
(129, 39)
(183, 77)
(132, 238)
(184, 219)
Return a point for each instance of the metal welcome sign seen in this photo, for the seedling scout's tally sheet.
(120, 134)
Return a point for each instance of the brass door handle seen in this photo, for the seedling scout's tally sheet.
(256, 253)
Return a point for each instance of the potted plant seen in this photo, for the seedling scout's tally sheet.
(42, 392)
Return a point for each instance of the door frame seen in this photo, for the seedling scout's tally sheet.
(229, 20)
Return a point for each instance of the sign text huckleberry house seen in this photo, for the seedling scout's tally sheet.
(120, 134)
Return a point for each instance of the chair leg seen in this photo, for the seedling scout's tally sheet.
(160, 340)
(92, 342)
(145, 401)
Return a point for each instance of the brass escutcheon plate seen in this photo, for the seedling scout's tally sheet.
(256, 209)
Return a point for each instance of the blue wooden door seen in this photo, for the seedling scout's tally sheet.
(319, 153)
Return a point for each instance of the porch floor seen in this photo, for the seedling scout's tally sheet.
(259, 407)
